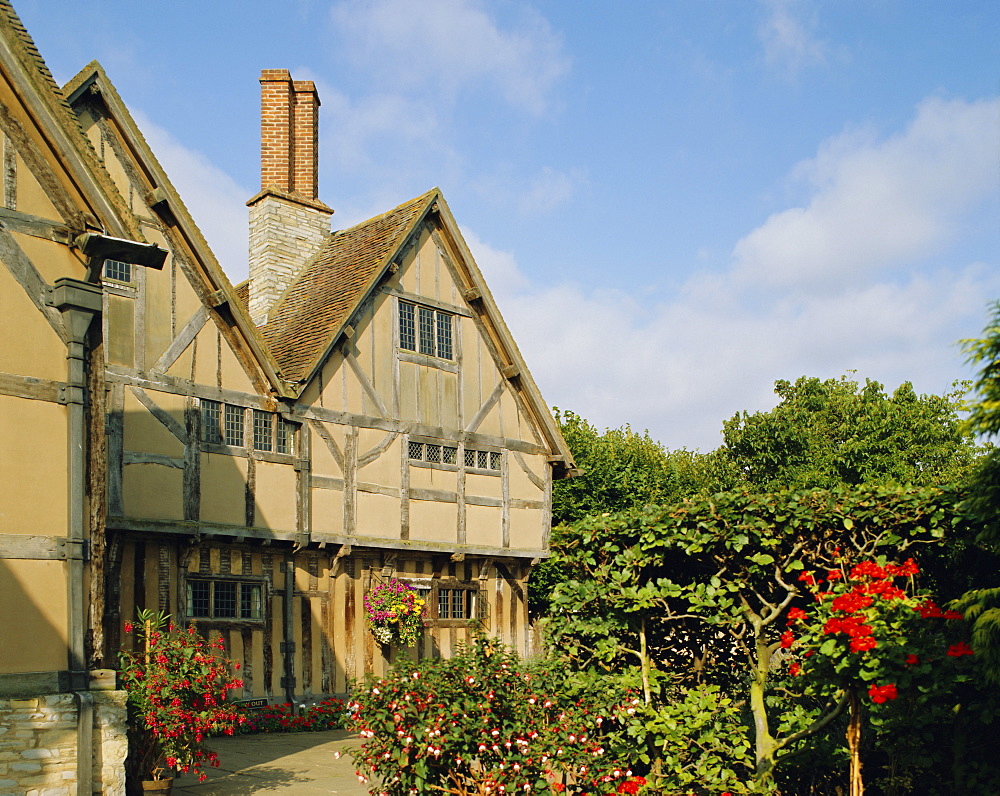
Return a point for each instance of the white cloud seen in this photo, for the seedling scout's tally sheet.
(214, 199)
(876, 204)
(549, 189)
(787, 35)
(682, 367)
(455, 45)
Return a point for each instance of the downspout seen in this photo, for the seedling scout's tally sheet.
(79, 302)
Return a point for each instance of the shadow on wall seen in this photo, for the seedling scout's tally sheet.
(33, 616)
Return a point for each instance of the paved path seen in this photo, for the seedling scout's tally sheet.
(286, 763)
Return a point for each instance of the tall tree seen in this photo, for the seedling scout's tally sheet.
(826, 433)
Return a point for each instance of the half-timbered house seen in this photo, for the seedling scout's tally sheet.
(251, 458)
(356, 410)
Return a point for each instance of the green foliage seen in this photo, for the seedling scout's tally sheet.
(699, 741)
(833, 432)
(622, 469)
(697, 589)
(482, 722)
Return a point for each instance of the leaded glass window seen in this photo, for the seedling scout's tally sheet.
(211, 416)
(233, 428)
(262, 424)
(407, 328)
(224, 599)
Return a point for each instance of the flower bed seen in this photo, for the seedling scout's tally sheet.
(326, 715)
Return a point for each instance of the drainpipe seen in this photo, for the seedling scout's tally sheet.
(79, 302)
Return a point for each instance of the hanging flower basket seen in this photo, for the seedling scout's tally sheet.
(395, 613)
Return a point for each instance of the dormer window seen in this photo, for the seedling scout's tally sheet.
(425, 330)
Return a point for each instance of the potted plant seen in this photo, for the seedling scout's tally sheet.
(176, 683)
(395, 612)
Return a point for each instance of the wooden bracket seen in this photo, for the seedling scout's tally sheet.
(345, 550)
(510, 371)
(217, 299)
(472, 294)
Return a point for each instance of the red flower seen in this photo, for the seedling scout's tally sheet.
(882, 693)
(863, 643)
(807, 578)
(795, 670)
(795, 614)
(960, 649)
(787, 639)
(912, 659)
(128, 626)
(558, 787)
(834, 574)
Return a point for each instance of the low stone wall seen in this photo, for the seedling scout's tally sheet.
(38, 746)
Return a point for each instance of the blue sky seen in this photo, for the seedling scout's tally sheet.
(675, 203)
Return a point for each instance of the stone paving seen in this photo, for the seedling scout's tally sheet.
(286, 763)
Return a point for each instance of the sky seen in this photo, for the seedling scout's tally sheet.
(675, 203)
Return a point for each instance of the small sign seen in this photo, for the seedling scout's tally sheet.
(251, 703)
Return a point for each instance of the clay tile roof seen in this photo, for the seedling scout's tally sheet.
(306, 319)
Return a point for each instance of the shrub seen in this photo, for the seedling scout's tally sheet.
(176, 688)
(482, 721)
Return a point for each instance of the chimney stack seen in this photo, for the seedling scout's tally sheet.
(288, 223)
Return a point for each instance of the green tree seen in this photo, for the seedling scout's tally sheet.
(982, 606)
(824, 433)
(699, 590)
(621, 469)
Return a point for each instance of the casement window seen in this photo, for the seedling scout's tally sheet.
(225, 599)
(223, 424)
(272, 432)
(211, 422)
(118, 271)
(482, 460)
(263, 430)
(284, 436)
(454, 601)
(445, 453)
(232, 427)
(425, 331)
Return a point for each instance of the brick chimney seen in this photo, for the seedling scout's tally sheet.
(288, 223)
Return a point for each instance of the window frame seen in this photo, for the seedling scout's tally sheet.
(472, 595)
(240, 584)
(116, 279)
(423, 330)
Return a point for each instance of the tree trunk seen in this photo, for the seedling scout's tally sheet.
(764, 745)
(854, 744)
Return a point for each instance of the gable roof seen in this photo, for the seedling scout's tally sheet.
(215, 290)
(309, 319)
(63, 137)
(313, 311)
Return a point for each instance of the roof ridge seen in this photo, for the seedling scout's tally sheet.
(400, 206)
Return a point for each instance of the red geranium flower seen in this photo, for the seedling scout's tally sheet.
(882, 693)
(960, 649)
